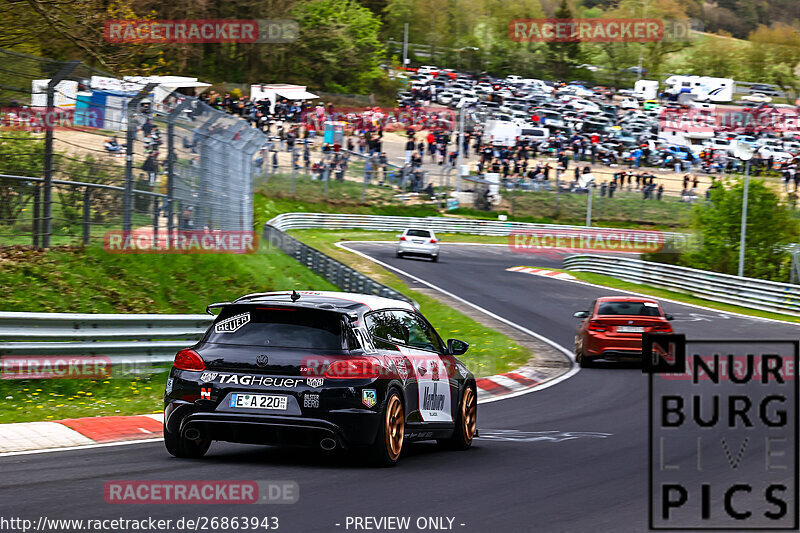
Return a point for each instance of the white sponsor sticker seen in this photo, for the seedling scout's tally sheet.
(207, 377)
(433, 385)
(315, 382)
(229, 325)
(169, 386)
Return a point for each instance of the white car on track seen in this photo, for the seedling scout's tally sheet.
(418, 242)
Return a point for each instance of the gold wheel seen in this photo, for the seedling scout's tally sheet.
(395, 427)
(468, 414)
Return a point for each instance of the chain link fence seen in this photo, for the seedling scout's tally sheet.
(77, 161)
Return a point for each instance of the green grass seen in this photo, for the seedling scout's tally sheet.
(93, 281)
(57, 399)
(537, 207)
(626, 209)
(490, 352)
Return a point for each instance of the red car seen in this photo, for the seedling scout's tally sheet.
(612, 328)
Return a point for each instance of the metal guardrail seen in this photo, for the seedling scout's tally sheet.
(341, 275)
(288, 221)
(125, 338)
(746, 292)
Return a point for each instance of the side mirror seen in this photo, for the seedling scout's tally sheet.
(456, 347)
(580, 314)
(668, 316)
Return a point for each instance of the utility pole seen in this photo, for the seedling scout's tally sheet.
(744, 217)
(131, 111)
(405, 44)
(589, 208)
(460, 147)
(47, 217)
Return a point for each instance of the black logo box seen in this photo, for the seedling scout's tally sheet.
(791, 348)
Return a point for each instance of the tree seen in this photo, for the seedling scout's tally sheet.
(565, 56)
(770, 227)
(338, 46)
(22, 155)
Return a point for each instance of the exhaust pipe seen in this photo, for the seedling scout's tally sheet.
(192, 434)
(327, 444)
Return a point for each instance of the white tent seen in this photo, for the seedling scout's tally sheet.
(274, 91)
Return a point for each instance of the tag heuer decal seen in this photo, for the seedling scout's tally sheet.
(315, 382)
(369, 397)
(169, 386)
(229, 325)
(207, 377)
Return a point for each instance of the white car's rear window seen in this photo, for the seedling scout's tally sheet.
(419, 233)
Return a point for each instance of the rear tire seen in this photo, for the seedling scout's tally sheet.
(466, 421)
(583, 361)
(435, 258)
(399, 255)
(184, 448)
(388, 445)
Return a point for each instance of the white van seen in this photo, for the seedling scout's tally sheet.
(501, 132)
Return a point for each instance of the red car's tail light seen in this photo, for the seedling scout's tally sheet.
(189, 360)
(596, 326)
(662, 328)
(354, 368)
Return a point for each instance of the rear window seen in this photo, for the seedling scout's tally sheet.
(278, 327)
(418, 233)
(628, 308)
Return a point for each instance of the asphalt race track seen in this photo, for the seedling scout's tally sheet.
(572, 457)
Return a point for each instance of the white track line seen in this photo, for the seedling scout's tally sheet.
(84, 447)
(570, 357)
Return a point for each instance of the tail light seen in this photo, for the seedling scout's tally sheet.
(402, 238)
(189, 360)
(354, 368)
(662, 328)
(596, 326)
(433, 241)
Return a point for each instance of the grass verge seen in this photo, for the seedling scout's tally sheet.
(92, 281)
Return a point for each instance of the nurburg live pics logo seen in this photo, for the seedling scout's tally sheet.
(723, 433)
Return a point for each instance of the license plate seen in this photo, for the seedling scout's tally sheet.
(630, 329)
(417, 241)
(258, 401)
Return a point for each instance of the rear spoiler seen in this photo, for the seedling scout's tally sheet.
(350, 315)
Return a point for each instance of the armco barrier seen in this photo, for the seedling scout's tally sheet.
(341, 275)
(287, 221)
(746, 292)
(124, 338)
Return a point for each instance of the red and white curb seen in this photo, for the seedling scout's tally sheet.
(542, 272)
(78, 432)
(514, 382)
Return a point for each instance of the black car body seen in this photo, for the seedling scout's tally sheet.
(319, 369)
